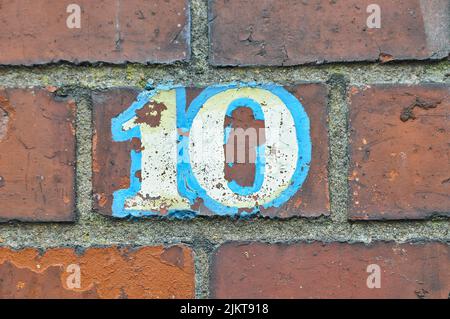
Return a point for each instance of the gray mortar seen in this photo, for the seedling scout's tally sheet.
(206, 234)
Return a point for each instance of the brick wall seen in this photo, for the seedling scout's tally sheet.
(115, 180)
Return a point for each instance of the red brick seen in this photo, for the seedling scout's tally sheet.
(37, 159)
(333, 270)
(114, 31)
(292, 32)
(107, 272)
(400, 166)
(111, 160)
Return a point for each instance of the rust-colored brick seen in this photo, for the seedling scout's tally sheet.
(291, 32)
(333, 270)
(109, 272)
(400, 166)
(111, 160)
(37, 158)
(115, 31)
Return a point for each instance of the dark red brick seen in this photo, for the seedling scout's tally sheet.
(114, 31)
(111, 160)
(107, 272)
(400, 166)
(37, 158)
(292, 32)
(333, 270)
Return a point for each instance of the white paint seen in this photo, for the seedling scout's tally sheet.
(207, 153)
(159, 161)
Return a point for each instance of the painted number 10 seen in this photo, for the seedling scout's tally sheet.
(181, 160)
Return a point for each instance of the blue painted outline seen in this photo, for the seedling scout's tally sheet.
(119, 135)
(188, 185)
(260, 162)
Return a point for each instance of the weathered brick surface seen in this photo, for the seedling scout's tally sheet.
(36, 32)
(109, 272)
(111, 160)
(334, 270)
(291, 32)
(400, 166)
(37, 157)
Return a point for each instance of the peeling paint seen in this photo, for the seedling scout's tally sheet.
(206, 233)
(183, 151)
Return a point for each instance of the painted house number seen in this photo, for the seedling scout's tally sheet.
(182, 156)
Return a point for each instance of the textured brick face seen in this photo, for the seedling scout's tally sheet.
(111, 273)
(334, 270)
(36, 31)
(400, 167)
(112, 162)
(291, 32)
(37, 158)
